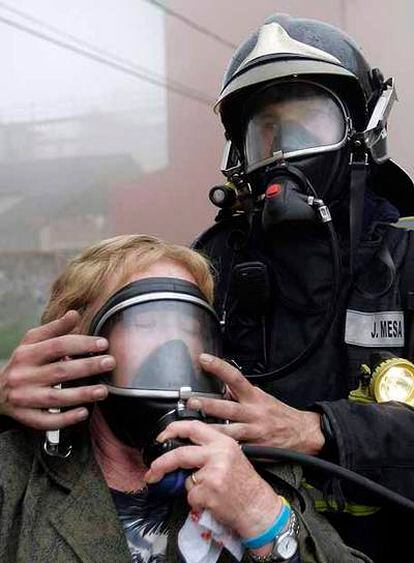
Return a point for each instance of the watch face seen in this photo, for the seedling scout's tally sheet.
(287, 546)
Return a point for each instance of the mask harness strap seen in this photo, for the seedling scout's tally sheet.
(359, 176)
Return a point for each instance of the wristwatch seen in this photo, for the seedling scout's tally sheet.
(284, 546)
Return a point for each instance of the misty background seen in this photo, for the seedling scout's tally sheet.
(106, 121)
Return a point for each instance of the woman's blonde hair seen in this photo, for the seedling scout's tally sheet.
(89, 279)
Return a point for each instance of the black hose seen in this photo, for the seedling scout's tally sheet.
(387, 496)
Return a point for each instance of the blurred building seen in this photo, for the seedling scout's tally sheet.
(107, 126)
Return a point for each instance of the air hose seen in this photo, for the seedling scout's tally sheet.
(386, 496)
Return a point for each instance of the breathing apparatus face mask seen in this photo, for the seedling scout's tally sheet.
(156, 328)
(292, 120)
(296, 137)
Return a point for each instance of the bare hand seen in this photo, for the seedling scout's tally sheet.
(257, 417)
(27, 381)
(225, 482)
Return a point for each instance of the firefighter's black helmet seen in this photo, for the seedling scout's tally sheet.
(286, 48)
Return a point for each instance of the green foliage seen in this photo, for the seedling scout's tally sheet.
(11, 334)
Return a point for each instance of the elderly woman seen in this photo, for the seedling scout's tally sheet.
(96, 502)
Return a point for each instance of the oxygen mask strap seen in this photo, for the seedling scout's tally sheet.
(359, 175)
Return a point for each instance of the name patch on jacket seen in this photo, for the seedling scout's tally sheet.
(382, 328)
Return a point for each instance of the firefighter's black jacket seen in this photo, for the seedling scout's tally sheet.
(264, 332)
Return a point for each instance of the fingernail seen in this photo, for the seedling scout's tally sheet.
(150, 478)
(107, 363)
(82, 414)
(206, 358)
(161, 437)
(102, 344)
(195, 404)
(70, 313)
(99, 393)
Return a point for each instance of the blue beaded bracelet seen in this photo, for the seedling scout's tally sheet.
(272, 531)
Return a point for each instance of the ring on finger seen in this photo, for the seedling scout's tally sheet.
(194, 479)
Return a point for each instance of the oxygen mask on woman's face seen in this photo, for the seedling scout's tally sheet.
(157, 328)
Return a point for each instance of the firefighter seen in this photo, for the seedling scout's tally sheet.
(310, 267)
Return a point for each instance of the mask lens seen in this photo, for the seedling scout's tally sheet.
(157, 344)
(291, 118)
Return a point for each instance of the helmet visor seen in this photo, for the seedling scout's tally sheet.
(293, 119)
(157, 344)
